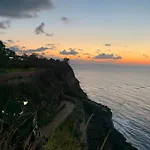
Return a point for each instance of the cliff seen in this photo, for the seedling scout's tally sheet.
(47, 109)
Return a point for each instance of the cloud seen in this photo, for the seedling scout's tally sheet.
(80, 49)
(144, 55)
(40, 29)
(4, 24)
(24, 8)
(98, 50)
(15, 48)
(47, 34)
(108, 45)
(41, 49)
(117, 57)
(86, 54)
(53, 46)
(107, 56)
(104, 56)
(65, 19)
(10, 41)
(71, 52)
(2, 33)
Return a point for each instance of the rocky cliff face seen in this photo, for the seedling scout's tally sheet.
(101, 133)
(32, 100)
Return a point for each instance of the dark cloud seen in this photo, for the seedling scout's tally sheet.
(40, 29)
(117, 57)
(4, 24)
(53, 46)
(104, 56)
(10, 41)
(108, 45)
(65, 19)
(47, 34)
(71, 52)
(107, 56)
(86, 54)
(24, 8)
(41, 49)
(144, 55)
(15, 48)
(98, 50)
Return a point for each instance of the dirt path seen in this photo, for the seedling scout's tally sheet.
(46, 130)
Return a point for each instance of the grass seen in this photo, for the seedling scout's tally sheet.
(16, 70)
(105, 140)
(63, 138)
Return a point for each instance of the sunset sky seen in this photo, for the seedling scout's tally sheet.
(86, 31)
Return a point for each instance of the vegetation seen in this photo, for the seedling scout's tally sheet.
(64, 137)
(10, 61)
(26, 106)
(9, 70)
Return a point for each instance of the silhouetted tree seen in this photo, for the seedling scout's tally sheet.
(66, 60)
(3, 56)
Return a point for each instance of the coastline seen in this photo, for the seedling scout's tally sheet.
(93, 119)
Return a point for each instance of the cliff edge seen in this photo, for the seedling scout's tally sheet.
(47, 109)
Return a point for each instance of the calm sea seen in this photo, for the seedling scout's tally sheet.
(124, 89)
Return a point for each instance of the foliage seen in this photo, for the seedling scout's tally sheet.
(66, 60)
(64, 137)
(10, 60)
(21, 108)
(9, 70)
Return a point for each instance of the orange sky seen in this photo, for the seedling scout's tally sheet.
(109, 30)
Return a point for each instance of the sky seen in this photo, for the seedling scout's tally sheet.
(86, 31)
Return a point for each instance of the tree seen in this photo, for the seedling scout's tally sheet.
(66, 60)
(3, 56)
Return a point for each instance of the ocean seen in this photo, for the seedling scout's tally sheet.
(126, 91)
